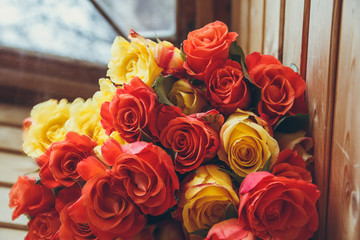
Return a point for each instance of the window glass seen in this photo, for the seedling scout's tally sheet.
(68, 28)
(149, 18)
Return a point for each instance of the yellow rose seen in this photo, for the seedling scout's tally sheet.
(186, 97)
(47, 125)
(85, 120)
(106, 93)
(130, 59)
(245, 145)
(204, 197)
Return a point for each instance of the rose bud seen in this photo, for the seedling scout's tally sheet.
(30, 198)
(186, 97)
(204, 196)
(169, 58)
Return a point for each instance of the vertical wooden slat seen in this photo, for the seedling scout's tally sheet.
(344, 191)
(244, 25)
(204, 12)
(256, 26)
(320, 79)
(293, 28)
(272, 27)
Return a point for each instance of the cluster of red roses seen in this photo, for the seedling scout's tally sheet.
(82, 193)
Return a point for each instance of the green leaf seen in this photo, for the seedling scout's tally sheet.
(294, 67)
(255, 95)
(37, 181)
(144, 136)
(236, 177)
(201, 232)
(182, 53)
(157, 38)
(162, 86)
(292, 123)
(267, 165)
(237, 54)
(230, 211)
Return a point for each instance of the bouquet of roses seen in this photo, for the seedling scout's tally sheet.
(201, 142)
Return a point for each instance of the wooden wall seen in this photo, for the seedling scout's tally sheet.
(322, 38)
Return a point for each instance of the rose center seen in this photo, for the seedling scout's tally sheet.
(274, 93)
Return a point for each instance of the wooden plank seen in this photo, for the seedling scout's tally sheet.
(344, 193)
(321, 75)
(5, 211)
(272, 27)
(204, 12)
(13, 114)
(256, 26)
(10, 139)
(15, 165)
(244, 23)
(293, 28)
(49, 77)
(8, 233)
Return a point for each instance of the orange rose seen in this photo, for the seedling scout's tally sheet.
(193, 140)
(290, 164)
(129, 110)
(282, 89)
(43, 226)
(278, 207)
(107, 209)
(30, 198)
(226, 88)
(71, 229)
(206, 44)
(61, 159)
(146, 173)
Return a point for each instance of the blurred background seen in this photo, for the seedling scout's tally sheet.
(59, 49)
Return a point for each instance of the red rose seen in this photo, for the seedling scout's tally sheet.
(278, 207)
(66, 196)
(282, 89)
(107, 209)
(62, 158)
(192, 140)
(206, 44)
(146, 172)
(129, 110)
(229, 230)
(29, 198)
(71, 229)
(161, 116)
(226, 89)
(44, 226)
(290, 165)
